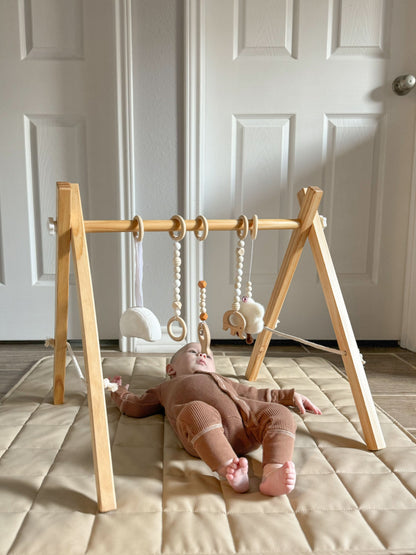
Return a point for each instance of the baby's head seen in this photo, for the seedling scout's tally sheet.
(189, 360)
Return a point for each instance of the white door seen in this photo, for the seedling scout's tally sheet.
(57, 123)
(297, 94)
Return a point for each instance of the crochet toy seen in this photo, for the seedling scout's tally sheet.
(245, 318)
(138, 321)
(253, 313)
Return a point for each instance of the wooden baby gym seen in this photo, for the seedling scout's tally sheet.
(71, 230)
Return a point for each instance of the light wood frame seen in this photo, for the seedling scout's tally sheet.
(71, 231)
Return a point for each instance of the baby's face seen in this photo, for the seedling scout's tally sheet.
(189, 360)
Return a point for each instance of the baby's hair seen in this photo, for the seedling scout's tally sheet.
(178, 352)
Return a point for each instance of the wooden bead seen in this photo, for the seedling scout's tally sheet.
(202, 284)
(203, 316)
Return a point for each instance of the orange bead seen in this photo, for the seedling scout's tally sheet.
(202, 284)
(203, 316)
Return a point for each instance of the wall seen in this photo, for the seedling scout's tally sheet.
(157, 60)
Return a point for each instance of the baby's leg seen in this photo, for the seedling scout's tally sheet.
(199, 426)
(278, 479)
(276, 430)
(236, 473)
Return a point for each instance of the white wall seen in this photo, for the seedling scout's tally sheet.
(157, 59)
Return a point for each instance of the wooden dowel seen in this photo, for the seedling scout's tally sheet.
(287, 269)
(105, 226)
(63, 245)
(360, 389)
(92, 358)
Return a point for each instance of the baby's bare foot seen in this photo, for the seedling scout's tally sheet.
(278, 479)
(236, 474)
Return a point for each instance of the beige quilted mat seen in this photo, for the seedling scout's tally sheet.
(347, 500)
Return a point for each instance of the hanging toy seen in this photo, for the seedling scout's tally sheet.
(177, 236)
(204, 335)
(138, 321)
(233, 319)
(252, 311)
(203, 329)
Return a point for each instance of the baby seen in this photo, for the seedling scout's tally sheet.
(218, 419)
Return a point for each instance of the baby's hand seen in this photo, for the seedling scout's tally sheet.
(304, 404)
(121, 393)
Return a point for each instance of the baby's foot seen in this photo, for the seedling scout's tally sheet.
(278, 479)
(236, 474)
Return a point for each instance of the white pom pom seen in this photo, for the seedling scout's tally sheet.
(253, 312)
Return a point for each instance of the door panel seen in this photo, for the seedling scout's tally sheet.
(58, 123)
(299, 94)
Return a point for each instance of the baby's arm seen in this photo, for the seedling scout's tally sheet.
(288, 397)
(268, 395)
(134, 405)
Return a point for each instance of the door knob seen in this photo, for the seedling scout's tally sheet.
(403, 84)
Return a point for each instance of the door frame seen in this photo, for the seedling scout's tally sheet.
(194, 136)
(408, 335)
(194, 172)
(125, 143)
(128, 185)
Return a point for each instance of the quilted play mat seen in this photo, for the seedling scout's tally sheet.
(347, 500)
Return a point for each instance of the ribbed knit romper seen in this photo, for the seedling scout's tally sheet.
(217, 418)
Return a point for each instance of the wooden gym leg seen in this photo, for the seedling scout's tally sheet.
(345, 336)
(63, 233)
(308, 209)
(96, 398)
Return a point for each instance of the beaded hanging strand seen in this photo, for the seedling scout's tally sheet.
(233, 319)
(202, 300)
(177, 236)
(253, 233)
(252, 311)
(203, 329)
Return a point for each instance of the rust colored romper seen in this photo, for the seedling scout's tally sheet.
(217, 418)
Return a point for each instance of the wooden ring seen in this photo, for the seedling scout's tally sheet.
(255, 227)
(138, 235)
(204, 233)
(242, 233)
(182, 325)
(182, 228)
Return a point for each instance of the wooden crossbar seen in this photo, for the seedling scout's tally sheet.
(71, 230)
(120, 226)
